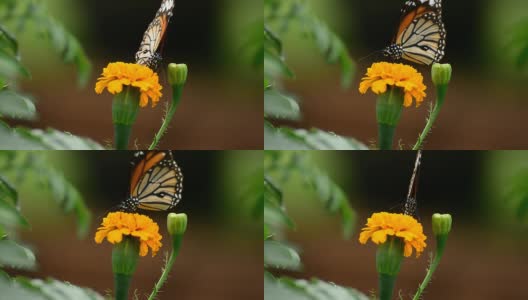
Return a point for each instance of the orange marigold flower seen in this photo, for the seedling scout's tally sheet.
(379, 225)
(117, 224)
(117, 74)
(381, 74)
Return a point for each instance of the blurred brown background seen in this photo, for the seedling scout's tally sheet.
(221, 106)
(486, 251)
(221, 254)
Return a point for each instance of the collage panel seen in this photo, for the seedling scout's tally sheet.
(402, 75)
(395, 225)
(130, 74)
(81, 225)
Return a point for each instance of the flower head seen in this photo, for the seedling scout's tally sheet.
(117, 74)
(382, 74)
(380, 225)
(117, 224)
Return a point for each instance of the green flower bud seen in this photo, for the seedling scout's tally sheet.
(442, 224)
(176, 223)
(441, 74)
(177, 74)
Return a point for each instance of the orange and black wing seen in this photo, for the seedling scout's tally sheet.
(421, 33)
(154, 34)
(156, 182)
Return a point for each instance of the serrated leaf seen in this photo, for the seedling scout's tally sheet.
(323, 140)
(280, 106)
(16, 106)
(13, 255)
(10, 216)
(274, 66)
(280, 256)
(275, 290)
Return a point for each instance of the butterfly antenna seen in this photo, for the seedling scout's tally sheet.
(370, 55)
(410, 203)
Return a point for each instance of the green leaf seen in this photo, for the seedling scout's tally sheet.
(36, 139)
(321, 290)
(58, 140)
(10, 216)
(11, 67)
(16, 106)
(50, 289)
(279, 139)
(274, 66)
(300, 139)
(7, 192)
(8, 41)
(280, 256)
(13, 255)
(323, 140)
(290, 289)
(59, 290)
(10, 139)
(280, 106)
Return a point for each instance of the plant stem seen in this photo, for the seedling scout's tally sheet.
(386, 286)
(176, 244)
(177, 91)
(122, 136)
(385, 136)
(441, 92)
(436, 261)
(122, 283)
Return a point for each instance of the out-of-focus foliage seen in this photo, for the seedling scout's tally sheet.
(18, 16)
(518, 194)
(519, 43)
(280, 168)
(279, 18)
(33, 167)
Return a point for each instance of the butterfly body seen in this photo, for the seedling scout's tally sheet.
(156, 182)
(148, 50)
(421, 35)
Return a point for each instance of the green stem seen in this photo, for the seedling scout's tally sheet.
(122, 136)
(385, 136)
(177, 91)
(441, 92)
(176, 244)
(386, 286)
(436, 261)
(122, 283)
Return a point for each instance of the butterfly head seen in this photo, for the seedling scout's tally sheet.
(129, 205)
(393, 51)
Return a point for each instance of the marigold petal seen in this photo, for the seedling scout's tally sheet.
(116, 75)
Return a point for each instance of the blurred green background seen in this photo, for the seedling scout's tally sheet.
(486, 102)
(487, 247)
(222, 246)
(222, 99)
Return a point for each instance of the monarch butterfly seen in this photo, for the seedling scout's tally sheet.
(147, 54)
(410, 205)
(421, 36)
(156, 182)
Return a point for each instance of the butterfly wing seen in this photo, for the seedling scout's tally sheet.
(156, 182)
(421, 34)
(154, 34)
